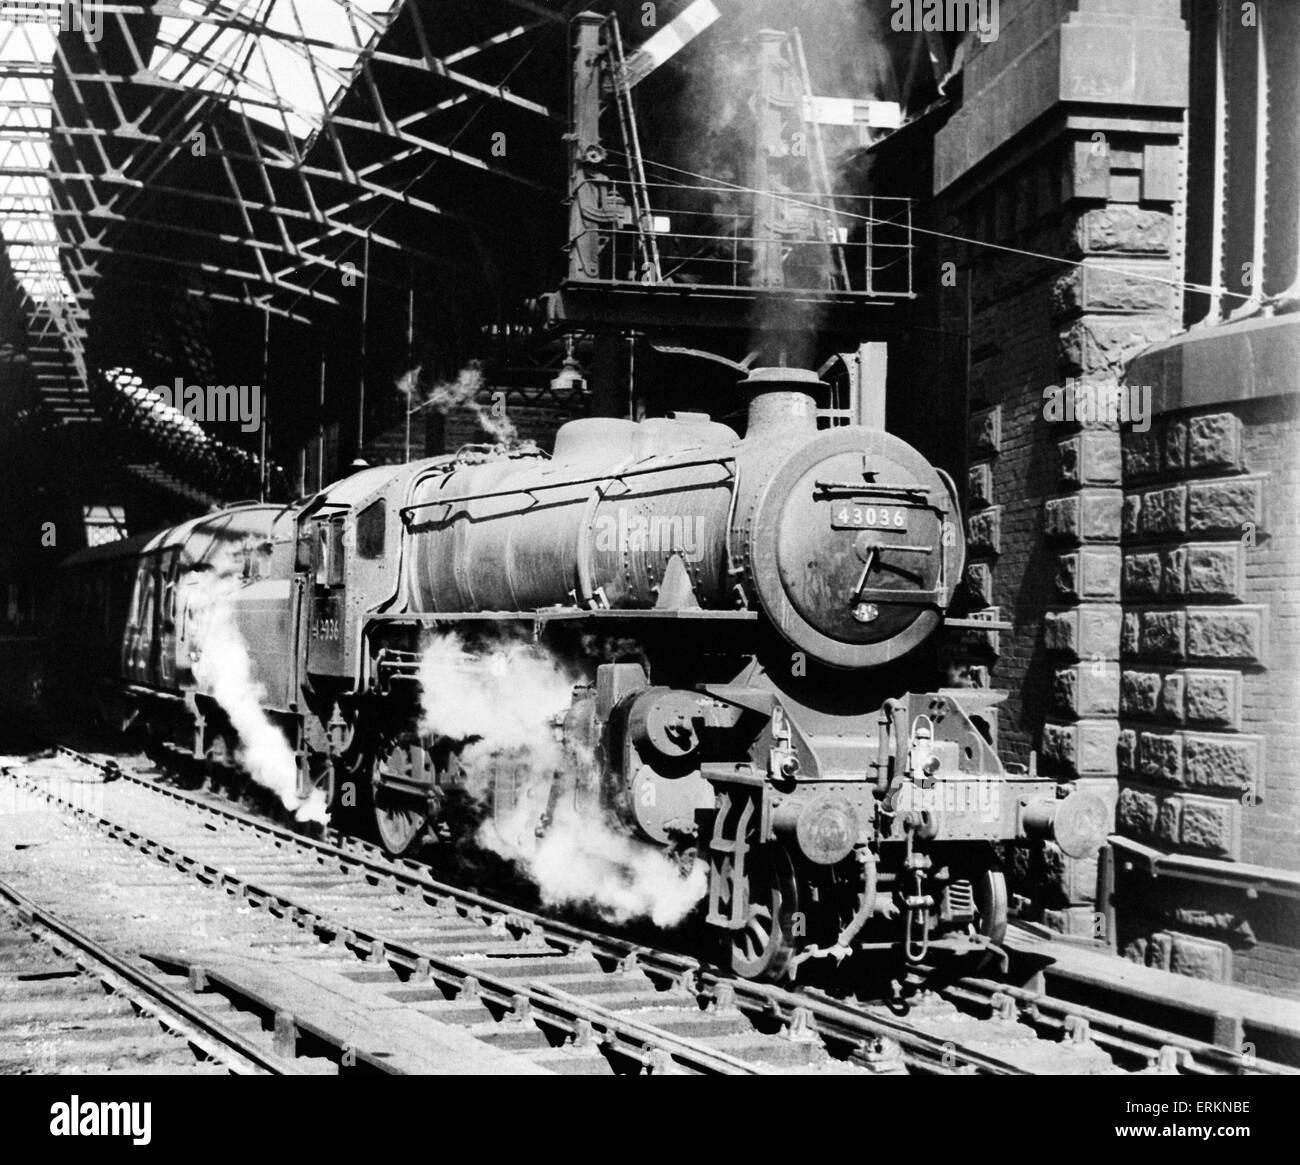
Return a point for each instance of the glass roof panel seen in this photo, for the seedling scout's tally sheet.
(302, 51)
(27, 39)
(283, 63)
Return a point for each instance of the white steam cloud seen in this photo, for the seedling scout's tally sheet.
(569, 844)
(461, 393)
(224, 669)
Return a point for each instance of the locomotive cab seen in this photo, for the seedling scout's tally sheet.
(347, 565)
(321, 563)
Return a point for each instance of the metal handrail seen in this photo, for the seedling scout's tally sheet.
(407, 511)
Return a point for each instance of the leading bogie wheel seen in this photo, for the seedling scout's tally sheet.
(991, 905)
(991, 913)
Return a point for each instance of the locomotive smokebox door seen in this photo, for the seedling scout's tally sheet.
(854, 547)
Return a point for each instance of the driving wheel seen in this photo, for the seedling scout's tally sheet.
(762, 948)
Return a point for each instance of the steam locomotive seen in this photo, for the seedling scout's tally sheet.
(739, 606)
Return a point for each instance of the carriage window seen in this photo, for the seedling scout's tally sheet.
(148, 588)
(143, 585)
(370, 531)
(171, 571)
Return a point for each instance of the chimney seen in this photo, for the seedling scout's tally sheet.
(781, 401)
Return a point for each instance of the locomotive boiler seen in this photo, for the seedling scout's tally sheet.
(737, 610)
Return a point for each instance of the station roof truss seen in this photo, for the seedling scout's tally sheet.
(248, 153)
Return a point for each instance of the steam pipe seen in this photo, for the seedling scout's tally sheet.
(866, 901)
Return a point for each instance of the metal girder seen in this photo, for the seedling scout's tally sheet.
(540, 10)
(294, 175)
(438, 66)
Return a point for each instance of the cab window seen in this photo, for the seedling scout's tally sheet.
(370, 531)
(329, 553)
(334, 575)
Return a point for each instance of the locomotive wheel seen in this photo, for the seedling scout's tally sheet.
(399, 821)
(991, 902)
(762, 948)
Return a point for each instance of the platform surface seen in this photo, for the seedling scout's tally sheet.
(1082, 964)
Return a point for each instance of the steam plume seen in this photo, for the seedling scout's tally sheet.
(569, 845)
(223, 668)
(461, 393)
(714, 135)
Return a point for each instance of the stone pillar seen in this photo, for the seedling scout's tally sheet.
(1065, 156)
(1120, 198)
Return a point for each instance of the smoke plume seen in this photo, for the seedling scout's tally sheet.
(507, 703)
(461, 393)
(715, 135)
(223, 669)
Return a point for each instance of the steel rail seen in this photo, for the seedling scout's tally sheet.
(1131, 1037)
(831, 1019)
(834, 1016)
(352, 853)
(172, 1010)
(579, 1020)
(834, 1019)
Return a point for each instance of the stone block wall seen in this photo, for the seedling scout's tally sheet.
(1148, 562)
(1040, 161)
(1209, 748)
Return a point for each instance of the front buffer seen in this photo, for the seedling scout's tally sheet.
(897, 859)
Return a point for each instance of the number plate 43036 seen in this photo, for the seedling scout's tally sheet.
(845, 516)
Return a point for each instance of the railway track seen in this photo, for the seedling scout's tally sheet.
(68, 1004)
(1127, 1040)
(571, 1000)
(575, 999)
